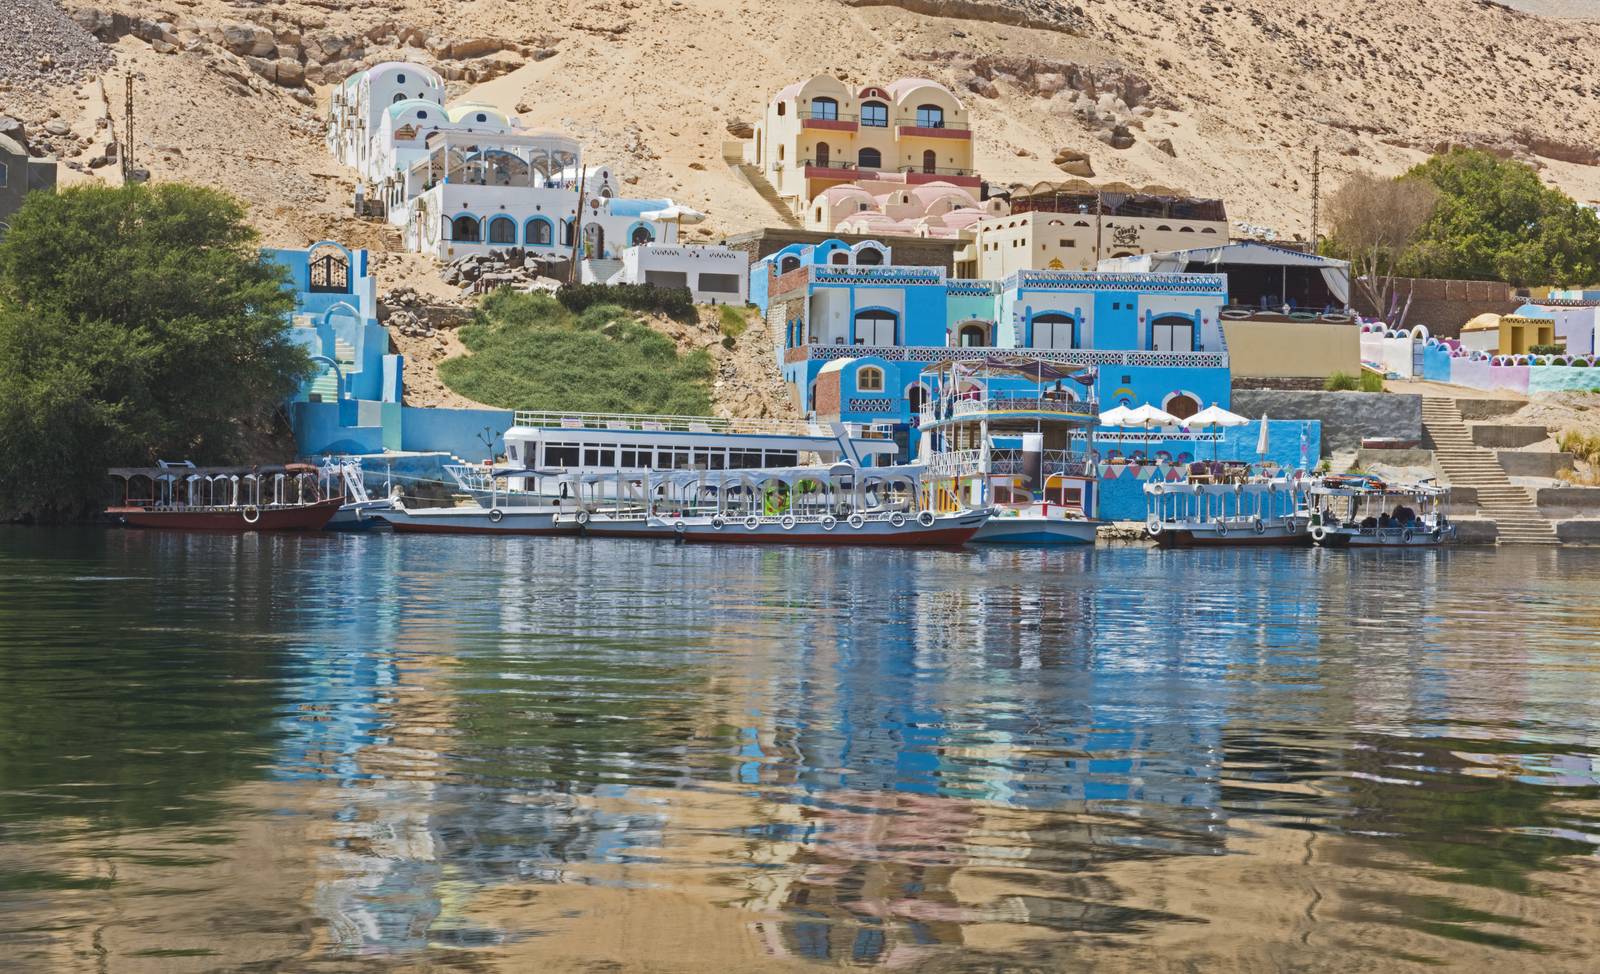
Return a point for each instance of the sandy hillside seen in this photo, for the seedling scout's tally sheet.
(1241, 88)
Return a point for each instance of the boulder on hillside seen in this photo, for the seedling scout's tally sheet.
(741, 129)
(1074, 162)
(1165, 145)
(248, 40)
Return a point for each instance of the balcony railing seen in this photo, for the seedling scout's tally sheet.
(944, 353)
(1001, 402)
(937, 171)
(686, 424)
(1007, 463)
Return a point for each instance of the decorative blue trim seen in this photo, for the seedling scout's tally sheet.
(856, 313)
(453, 219)
(484, 230)
(527, 238)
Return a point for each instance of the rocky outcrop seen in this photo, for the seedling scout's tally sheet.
(1068, 18)
(1075, 162)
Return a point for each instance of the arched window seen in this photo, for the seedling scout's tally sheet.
(537, 232)
(482, 117)
(825, 108)
(1181, 405)
(875, 114)
(973, 334)
(1052, 330)
(915, 397)
(1202, 229)
(464, 229)
(930, 161)
(875, 326)
(839, 257)
(869, 256)
(642, 236)
(787, 263)
(502, 230)
(822, 153)
(566, 233)
(869, 159)
(869, 378)
(399, 97)
(1172, 333)
(780, 108)
(780, 153)
(930, 117)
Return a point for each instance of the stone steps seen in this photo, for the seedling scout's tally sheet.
(758, 182)
(1517, 520)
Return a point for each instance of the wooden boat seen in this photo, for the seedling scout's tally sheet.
(1038, 525)
(183, 497)
(883, 529)
(1264, 512)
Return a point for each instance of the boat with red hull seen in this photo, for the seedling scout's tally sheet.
(183, 497)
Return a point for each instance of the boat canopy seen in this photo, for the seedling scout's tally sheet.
(1018, 366)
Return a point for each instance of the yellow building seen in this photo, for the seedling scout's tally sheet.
(1507, 334)
(1075, 225)
(822, 132)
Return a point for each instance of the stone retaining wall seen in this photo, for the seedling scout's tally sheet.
(1496, 436)
(1560, 502)
(1533, 463)
(1347, 417)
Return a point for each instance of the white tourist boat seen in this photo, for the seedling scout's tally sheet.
(473, 519)
(1227, 510)
(999, 434)
(1360, 511)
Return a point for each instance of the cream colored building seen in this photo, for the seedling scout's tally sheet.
(1073, 226)
(823, 132)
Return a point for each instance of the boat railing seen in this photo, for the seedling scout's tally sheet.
(1008, 463)
(690, 424)
(1008, 403)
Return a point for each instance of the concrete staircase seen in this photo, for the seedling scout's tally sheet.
(1465, 464)
(326, 385)
(764, 189)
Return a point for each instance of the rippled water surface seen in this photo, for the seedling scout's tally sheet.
(324, 753)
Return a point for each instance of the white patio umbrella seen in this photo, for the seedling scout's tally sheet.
(1215, 417)
(1148, 416)
(1261, 444)
(674, 213)
(1116, 416)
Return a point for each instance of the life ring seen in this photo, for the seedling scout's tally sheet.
(897, 520)
(1318, 532)
(1406, 536)
(718, 522)
(1438, 534)
(925, 519)
(1154, 527)
(1259, 526)
(752, 522)
(680, 527)
(1157, 489)
(787, 522)
(1222, 529)
(582, 518)
(496, 515)
(252, 514)
(828, 521)
(856, 521)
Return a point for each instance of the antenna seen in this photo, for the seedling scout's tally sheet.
(1316, 193)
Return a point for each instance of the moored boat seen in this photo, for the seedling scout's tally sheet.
(184, 497)
(1257, 512)
(895, 528)
(1360, 511)
(524, 520)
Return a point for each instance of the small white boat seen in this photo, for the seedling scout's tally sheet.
(1359, 511)
(1038, 524)
(539, 520)
(1258, 512)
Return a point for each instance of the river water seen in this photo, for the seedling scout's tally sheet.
(345, 753)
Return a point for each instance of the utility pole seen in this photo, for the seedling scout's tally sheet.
(1316, 193)
(577, 227)
(127, 131)
(1099, 211)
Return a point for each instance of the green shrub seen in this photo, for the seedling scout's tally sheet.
(1555, 349)
(1371, 381)
(1341, 382)
(1580, 363)
(531, 352)
(675, 302)
(734, 321)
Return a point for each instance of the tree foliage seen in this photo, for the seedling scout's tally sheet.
(1375, 222)
(136, 323)
(530, 352)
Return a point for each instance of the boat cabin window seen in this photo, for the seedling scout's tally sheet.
(561, 456)
(1065, 496)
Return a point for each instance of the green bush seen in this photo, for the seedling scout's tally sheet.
(1580, 363)
(1341, 382)
(136, 323)
(734, 321)
(1371, 381)
(531, 352)
(1554, 349)
(675, 302)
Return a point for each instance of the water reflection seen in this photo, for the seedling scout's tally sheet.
(499, 754)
